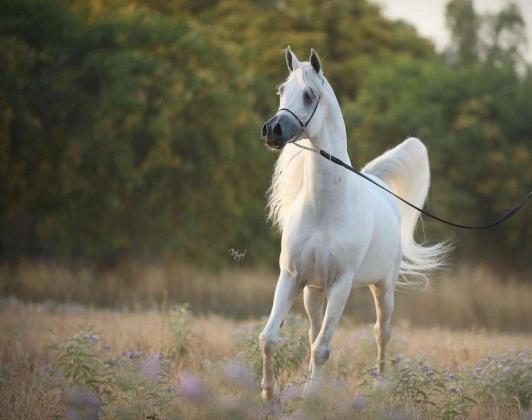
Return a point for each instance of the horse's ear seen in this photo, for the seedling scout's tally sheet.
(315, 60)
(291, 59)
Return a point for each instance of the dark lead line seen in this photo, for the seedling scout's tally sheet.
(501, 219)
(334, 159)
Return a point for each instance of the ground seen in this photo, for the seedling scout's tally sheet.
(27, 332)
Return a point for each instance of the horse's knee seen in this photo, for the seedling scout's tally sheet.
(383, 332)
(266, 344)
(312, 335)
(320, 354)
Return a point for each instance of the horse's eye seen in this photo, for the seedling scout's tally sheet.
(307, 100)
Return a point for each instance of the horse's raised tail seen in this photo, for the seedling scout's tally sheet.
(406, 170)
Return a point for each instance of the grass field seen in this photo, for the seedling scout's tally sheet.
(468, 297)
(70, 360)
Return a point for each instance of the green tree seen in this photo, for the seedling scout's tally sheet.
(121, 129)
(131, 127)
(464, 24)
(475, 121)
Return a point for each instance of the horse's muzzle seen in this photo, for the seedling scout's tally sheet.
(278, 130)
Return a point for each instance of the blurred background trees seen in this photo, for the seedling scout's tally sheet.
(131, 128)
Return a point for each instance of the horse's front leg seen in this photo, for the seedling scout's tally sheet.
(336, 299)
(286, 290)
(313, 300)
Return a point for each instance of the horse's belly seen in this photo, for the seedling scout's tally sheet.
(382, 255)
(313, 266)
(377, 265)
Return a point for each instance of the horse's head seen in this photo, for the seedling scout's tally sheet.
(300, 109)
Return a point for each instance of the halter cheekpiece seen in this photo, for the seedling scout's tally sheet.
(303, 125)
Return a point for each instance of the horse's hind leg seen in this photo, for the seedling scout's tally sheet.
(286, 290)
(313, 300)
(383, 294)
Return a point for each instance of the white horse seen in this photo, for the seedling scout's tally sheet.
(338, 230)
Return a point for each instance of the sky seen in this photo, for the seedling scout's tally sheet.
(428, 16)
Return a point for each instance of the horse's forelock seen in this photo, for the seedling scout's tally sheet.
(306, 76)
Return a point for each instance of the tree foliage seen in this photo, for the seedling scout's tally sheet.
(130, 128)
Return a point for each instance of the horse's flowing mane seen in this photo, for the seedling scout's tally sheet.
(287, 178)
(286, 183)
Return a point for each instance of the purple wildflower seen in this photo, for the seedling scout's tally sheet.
(239, 374)
(191, 388)
(152, 368)
(375, 374)
(478, 371)
(47, 369)
(452, 377)
(106, 348)
(453, 389)
(93, 339)
(507, 369)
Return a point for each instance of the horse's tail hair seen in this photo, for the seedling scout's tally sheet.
(405, 169)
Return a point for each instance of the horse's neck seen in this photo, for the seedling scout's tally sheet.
(323, 182)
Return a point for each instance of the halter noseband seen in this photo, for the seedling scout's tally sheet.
(302, 125)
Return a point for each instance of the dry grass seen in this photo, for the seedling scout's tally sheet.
(26, 334)
(461, 319)
(466, 298)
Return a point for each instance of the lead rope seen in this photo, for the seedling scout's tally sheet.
(339, 162)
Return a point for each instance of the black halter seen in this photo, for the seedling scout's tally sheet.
(301, 124)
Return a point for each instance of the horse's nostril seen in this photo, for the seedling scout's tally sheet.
(277, 130)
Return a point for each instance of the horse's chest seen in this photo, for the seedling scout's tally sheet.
(316, 258)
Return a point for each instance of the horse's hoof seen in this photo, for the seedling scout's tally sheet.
(267, 394)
